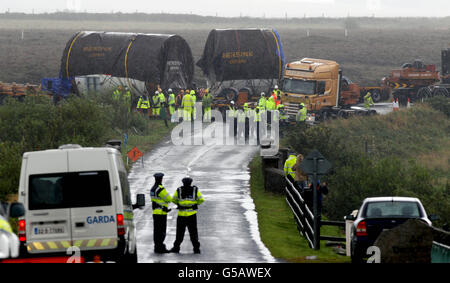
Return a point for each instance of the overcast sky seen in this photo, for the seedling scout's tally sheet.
(235, 8)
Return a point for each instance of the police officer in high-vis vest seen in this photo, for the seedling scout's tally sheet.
(188, 198)
(290, 166)
(160, 205)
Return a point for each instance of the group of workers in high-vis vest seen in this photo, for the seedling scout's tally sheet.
(183, 104)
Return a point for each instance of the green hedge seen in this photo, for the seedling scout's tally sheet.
(37, 123)
(384, 155)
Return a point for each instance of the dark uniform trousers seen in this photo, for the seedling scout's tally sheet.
(191, 223)
(159, 231)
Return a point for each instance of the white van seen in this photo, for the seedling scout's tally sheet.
(77, 197)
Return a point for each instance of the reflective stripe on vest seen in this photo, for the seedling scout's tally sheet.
(160, 200)
(4, 225)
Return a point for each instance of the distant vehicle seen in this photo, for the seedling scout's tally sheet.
(9, 242)
(77, 197)
(320, 85)
(379, 214)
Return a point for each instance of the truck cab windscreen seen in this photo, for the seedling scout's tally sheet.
(68, 190)
(299, 86)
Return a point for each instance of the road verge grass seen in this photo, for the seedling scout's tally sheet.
(278, 229)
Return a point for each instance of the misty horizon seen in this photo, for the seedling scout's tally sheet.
(242, 8)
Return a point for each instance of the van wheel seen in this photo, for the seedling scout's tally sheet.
(134, 257)
(129, 257)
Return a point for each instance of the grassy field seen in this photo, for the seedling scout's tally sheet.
(278, 228)
(372, 49)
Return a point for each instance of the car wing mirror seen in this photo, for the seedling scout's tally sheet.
(434, 217)
(140, 201)
(350, 217)
(16, 210)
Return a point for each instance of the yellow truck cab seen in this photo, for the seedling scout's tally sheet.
(314, 82)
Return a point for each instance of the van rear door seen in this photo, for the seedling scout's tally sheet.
(93, 213)
(48, 226)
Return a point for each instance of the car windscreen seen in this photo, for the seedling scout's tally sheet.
(299, 86)
(392, 209)
(67, 190)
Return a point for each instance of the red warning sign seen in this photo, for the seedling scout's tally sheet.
(135, 154)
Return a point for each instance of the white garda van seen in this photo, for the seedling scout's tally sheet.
(77, 199)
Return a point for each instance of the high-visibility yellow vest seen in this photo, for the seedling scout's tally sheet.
(262, 102)
(232, 112)
(289, 166)
(116, 94)
(283, 115)
(172, 99)
(4, 226)
(162, 98)
(145, 104)
(246, 107)
(156, 101)
(257, 117)
(187, 102)
(187, 204)
(160, 200)
(241, 116)
(270, 104)
(302, 114)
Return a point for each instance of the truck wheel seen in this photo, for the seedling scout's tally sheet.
(440, 92)
(130, 257)
(342, 114)
(324, 116)
(423, 94)
(385, 94)
(376, 96)
(2, 98)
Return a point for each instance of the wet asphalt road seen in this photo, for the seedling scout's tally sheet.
(227, 222)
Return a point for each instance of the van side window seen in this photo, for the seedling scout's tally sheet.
(126, 195)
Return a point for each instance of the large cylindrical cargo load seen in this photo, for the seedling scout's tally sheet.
(165, 60)
(242, 54)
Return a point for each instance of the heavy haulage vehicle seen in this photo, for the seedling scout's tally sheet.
(101, 61)
(418, 81)
(239, 64)
(319, 84)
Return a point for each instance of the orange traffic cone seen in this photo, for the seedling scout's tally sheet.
(395, 105)
(409, 103)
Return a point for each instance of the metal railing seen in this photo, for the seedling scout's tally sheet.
(440, 253)
(305, 218)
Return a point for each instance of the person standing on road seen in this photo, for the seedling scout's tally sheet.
(207, 101)
(301, 114)
(187, 198)
(187, 107)
(262, 101)
(160, 205)
(194, 101)
(156, 105)
(171, 102)
(368, 100)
